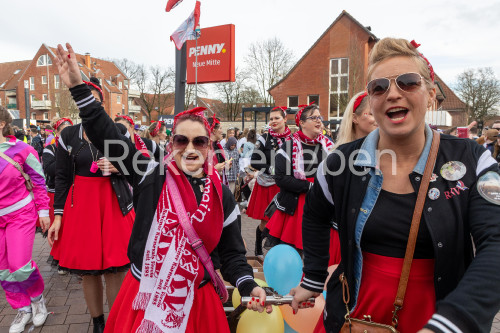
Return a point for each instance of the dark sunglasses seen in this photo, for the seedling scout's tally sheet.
(181, 141)
(408, 82)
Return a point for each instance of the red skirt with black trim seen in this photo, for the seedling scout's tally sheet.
(207, 313)
(379, 285)
(94, 234)
(259, 200)
(288, 228)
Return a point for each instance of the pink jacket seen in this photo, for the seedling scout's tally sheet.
(13, 192)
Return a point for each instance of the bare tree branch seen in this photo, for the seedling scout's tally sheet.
(268, 61)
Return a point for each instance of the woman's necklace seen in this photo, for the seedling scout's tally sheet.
(94, 167)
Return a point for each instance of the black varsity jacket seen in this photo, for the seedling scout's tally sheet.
(147, 178)
(467, 288)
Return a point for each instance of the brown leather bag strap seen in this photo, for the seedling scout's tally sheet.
(415, 223)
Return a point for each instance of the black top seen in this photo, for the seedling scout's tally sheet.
(265, 151)
(219, 154)
(84, 158)
(49, 167)
(386, 230)
(291, 187)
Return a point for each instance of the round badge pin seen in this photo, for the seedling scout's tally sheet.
(434, 193)
(488, 187)
(453, 170)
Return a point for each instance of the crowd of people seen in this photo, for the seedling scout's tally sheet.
(154, 213)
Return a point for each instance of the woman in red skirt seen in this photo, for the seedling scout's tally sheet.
(170, 287)
(93, 219)
(296, 165)
(263, 156)
(49, 161)
(369, 187)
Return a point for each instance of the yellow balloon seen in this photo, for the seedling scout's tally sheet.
(236, 298)
(255, 322)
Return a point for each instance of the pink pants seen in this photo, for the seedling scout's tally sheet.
(19, 274)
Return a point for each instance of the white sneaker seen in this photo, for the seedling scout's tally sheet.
(40, 313)
(22, 318)
(62, 272)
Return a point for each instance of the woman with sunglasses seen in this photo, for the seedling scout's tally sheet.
(93, 216)
(168, 288)
(265, 188)
(296, 165)
(450, 288)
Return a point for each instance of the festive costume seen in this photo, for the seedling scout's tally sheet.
(19, 211)
(103, 205)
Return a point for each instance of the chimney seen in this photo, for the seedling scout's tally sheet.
(87, 60)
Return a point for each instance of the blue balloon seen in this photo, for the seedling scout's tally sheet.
(283, 268)
(288, 329)
(324, 294)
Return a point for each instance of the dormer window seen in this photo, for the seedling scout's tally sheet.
(44, 60)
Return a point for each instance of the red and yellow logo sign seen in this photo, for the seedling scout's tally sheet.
(213, 54)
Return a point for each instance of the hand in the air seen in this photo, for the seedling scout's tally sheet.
(66, 63)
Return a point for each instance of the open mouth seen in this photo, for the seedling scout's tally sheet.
(191, 157)
(397, 115)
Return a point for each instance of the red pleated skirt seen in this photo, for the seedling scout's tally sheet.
(207, 313)
(379, 284)
(94, 234)
(334, 248)
(259, 200)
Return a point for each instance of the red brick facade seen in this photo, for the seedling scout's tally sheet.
(48, 97)
(313, 74)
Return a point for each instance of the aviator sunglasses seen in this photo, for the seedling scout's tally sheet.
(408, 82)
(181, 141)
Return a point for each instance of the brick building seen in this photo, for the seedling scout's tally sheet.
(48, 97)
(335, 68)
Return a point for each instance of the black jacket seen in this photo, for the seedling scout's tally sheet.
(264, 153)
(291, 187)
(70, 143)
(147, 178)
(37, 144)
(467, 288)
(49, 166)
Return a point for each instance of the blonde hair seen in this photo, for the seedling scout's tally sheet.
(389, 47)
(346, 130)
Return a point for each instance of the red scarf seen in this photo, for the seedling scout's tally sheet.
(286, 135)
(141, 146)
(172, 270)
(298, 154)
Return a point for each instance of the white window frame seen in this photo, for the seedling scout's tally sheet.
(45, 97)
(57, 81)
(33, 116)
(57, 99)
(41, 61)
(288, 101)
(120, 85)
(44, 79)
(118, 99)
(32, 83)
(309, 100)
(339, 77)
(45, 116)
(32, 98)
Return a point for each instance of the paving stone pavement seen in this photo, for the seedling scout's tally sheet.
(65, 299)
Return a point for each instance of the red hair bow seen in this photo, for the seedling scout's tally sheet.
(197, 111)
(431, 69)
(358, 101)
(156, 130)
(97, 87)
(299, 113)
(127, 118)
(282, 108)
(61, 121)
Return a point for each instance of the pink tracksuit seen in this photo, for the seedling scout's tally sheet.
(19, 211)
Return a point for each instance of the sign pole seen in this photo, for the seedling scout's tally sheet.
(180, 79)
(26, 102)
(197, 34)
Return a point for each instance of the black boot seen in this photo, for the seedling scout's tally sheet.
(258, 242)
(98, 324)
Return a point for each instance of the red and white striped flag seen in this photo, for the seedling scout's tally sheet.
(187, 30)
(172, 4)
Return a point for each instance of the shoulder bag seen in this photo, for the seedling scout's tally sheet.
(27, 179)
